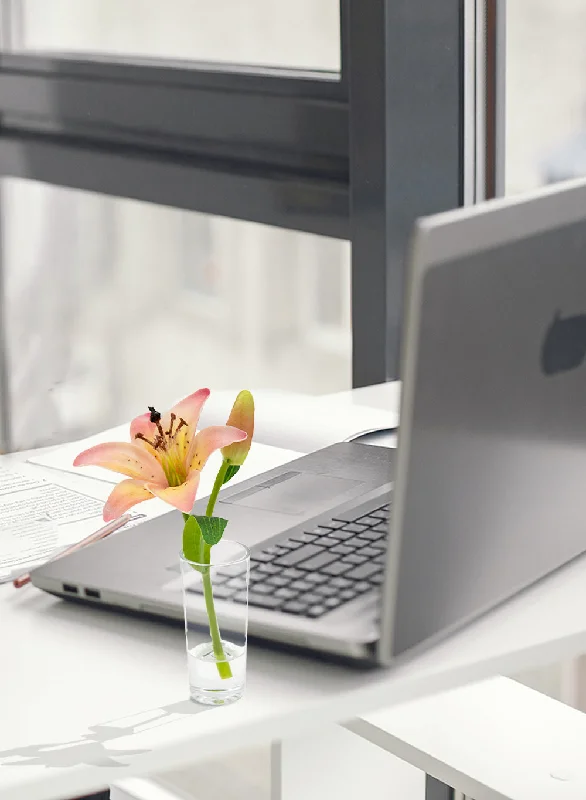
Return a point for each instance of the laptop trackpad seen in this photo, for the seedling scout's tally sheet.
(293, 492)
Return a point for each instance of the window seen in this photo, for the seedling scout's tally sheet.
(545, 93)
(96, 327)
(343, 134)
(271, 33)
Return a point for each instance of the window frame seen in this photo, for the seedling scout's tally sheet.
(354, 156)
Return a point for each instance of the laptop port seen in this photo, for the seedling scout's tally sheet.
(92, 593)
(67, 587)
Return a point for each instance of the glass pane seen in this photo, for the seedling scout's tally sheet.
(112, 303)
(276, 33)
(545, 92)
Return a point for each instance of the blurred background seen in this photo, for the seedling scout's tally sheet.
(111, 302)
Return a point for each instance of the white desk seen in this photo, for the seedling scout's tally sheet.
(70, 679)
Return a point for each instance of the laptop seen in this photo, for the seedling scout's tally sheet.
(365, 552)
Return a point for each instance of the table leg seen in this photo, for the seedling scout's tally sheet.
(335, 763)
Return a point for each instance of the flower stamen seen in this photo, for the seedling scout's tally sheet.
(170, 431)
(144, 438)
(155, 415)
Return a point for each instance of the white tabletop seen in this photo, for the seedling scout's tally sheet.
(69, 676)
(492, 740)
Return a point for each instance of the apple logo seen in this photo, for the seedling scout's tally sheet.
(564, 345)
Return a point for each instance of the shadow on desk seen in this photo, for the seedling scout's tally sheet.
(90, 748)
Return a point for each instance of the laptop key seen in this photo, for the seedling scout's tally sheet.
(332, 602)
(268, 601)
(259, 588)
(297, 556)
(340, 536)
(286, 594)
(319, 561)
(362, 586)
(237, 583)
(316, 611)
(277, 581)
(372, 536)
(377, 580)
(368, 520)
(315, 577)
(222, 592)
(291, 544)
(262, 557)
(320, 530)
(353, 527)
(312, 599)
(333, 524)
(341, 583)
(291, 573)
(269, 569)
(382, 528)
(337, 568)
(294, 607)
(341, 549)
(354, 558)
(347, 594)
(357, 542)
(301, 586)
(369, 551)
(363, 571)
(327, 590)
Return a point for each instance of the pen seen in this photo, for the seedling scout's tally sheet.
(111, 527)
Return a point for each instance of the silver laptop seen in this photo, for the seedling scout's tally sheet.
(362, 557)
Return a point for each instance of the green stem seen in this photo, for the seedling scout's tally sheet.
(218, 483)
(223, 666)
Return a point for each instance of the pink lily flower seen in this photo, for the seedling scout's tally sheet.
(164, 457)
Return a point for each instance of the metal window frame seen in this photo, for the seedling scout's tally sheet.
(356, 156)
(406, 94)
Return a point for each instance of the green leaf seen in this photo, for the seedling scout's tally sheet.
(192, 540)
(212, 528)
(231, 471)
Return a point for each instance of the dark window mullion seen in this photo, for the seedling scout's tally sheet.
(406, 95)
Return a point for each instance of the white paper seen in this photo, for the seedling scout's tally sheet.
(12, 481)
(38, 517)
(25, 540)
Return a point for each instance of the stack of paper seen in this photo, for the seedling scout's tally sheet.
(39, 516)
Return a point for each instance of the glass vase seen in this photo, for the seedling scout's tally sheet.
(215, 604)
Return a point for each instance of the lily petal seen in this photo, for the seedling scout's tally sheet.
(125, 495)
(146, 428)
(181, 497)
(188, 409)
(210, 439)
(125, 458)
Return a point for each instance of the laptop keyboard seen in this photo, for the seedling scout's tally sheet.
(317, 570)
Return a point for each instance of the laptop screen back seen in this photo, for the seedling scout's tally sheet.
(491, 490)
